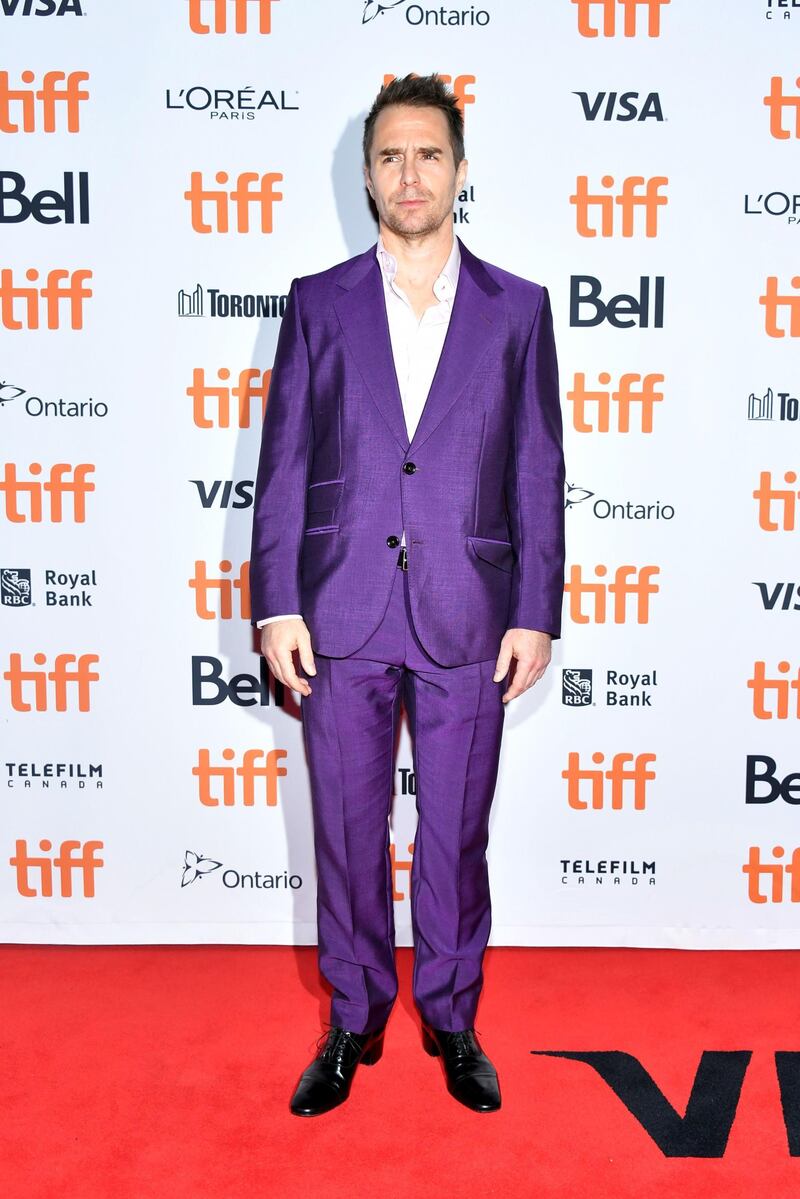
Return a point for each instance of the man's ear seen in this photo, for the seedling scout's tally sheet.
(367, 180)
(461, 174)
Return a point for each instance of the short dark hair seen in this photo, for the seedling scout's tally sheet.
(422, 91)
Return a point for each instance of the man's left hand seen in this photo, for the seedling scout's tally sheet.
(530, 651)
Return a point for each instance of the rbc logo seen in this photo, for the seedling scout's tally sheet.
(576, 687)
(15, 587)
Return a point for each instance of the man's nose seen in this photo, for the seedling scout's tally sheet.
(409, 174)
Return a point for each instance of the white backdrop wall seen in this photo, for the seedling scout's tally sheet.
(154, 788)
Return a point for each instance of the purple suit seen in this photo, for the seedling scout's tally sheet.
(479, 491)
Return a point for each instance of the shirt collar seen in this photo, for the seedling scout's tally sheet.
(444, 287)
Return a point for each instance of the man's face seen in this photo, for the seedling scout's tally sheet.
(412, 177)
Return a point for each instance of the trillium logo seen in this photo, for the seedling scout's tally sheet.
(195, 866)
(374, 8)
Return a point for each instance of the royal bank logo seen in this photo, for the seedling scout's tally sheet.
(620, 688)
(418, 14)
(764, 407)
(197, 867)
(576, 687)
(15, 587)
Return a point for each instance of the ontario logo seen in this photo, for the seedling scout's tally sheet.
(415, 14)
(197, 867)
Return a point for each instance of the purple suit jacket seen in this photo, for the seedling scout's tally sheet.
(479, 489)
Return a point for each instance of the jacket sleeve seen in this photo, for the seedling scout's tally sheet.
(279, 500)
(534, 484)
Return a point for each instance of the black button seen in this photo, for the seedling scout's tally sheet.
(392, 541)
(409, 467)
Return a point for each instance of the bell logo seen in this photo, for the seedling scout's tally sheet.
(61, 286)
(772, 697)
(249, 392)
(630, 582)
(627, 201)
(56, 487)
(245, 15)
(591, 410)
(619, 774)
(240, 198)
(35, 874)
(70, 674)
(785, 498)
(39, 109)
(229, 780)
(773, 301)
(458, 85)
(775, 875)
(204, 585)
(780, 105)
(607, 12)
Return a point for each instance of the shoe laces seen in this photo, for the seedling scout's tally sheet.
(462, 1043)
(335, 1044)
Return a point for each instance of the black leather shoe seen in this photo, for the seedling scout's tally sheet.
(326, 1082)
(471, 1077)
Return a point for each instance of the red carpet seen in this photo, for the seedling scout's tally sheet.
(146, 1071)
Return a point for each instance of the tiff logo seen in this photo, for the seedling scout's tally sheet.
(776, 874)
(772, 697)
(213, 404)
(785, 498)
(591, 409)
(779, 104)
(39, 108)
(62, 288)
(229, 786)
(56, 487)
(239, 200)
(51, 689)
(35, 873)
(636, 194)
(223, 589)
(773, 300)
(618, 775)
(246, 13)
(630, 583)
(607, 11)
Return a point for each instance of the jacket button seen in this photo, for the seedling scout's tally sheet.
(409, 467)
(392, 541)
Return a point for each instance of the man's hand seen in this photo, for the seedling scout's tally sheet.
(278, 639)
(530, 650)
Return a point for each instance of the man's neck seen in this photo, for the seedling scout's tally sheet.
(420, 260)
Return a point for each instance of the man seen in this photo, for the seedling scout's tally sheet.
(408, 543)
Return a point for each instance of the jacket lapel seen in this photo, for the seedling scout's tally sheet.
(475, 321)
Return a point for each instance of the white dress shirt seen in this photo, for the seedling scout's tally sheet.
(416, 342)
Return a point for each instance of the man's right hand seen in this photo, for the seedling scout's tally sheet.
(278, 639)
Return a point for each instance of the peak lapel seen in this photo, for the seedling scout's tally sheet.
(361, 310)
(475, 321)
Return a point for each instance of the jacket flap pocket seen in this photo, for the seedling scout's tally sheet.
(323, 497)
(499, 553)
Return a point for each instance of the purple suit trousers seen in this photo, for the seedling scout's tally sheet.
(349, 727)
